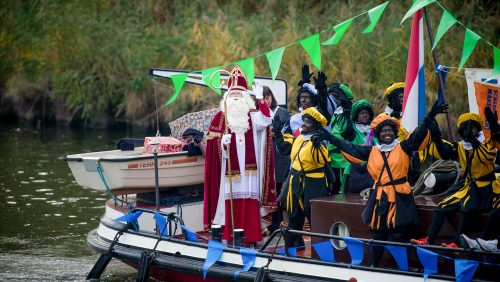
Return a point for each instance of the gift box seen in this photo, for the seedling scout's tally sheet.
(167, 144)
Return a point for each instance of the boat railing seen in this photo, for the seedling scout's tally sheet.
(371, 242)
(490, 259)
(171, 217)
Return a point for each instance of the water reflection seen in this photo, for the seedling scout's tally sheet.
(45, 215)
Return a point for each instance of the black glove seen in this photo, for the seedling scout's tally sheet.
(276, 126)
(323, 135)
(492, 119)
(320, 83)
(306, 76)
(437, 109)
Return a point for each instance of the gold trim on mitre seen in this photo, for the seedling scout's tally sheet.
(393, 87)
(470, 116)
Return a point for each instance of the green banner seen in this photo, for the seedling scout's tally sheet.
(417, 5)
(312, 46)
(178, 81)
(375, 14)
(496, 64)
(274, 59)
(447, 21)
(207, 73)
(247, 67)
(340, 29)
(470, 41)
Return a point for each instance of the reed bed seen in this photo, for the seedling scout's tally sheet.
(89, 60)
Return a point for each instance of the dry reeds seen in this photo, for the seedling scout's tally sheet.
(94, 56)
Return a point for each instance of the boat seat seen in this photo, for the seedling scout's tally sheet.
(127, 144)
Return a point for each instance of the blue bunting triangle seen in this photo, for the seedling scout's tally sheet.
(214, 252)
(356, 250)
(465, 269)
(429, 261)
(130, 217)
(400, 256)
(248, 260)
(324, 250)
(292, 252)
(190, 234)
(161, 224)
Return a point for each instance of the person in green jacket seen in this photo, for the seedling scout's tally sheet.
(341, 127)
(361, 116)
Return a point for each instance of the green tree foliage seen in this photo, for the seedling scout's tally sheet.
(90, 59)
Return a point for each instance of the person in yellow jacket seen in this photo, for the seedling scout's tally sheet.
(474, 193)
(308, 179)
(394, 212)
(394, 95)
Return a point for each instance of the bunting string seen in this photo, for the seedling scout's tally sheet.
(312, 45)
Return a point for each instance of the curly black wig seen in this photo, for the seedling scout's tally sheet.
(389, 122)
(393, 100)
(467, 126)
(314, 97)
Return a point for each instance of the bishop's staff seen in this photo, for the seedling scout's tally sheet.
(226, 131)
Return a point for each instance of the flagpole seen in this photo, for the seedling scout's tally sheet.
(440, 79)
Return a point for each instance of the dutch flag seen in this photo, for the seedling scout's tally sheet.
(414, 95)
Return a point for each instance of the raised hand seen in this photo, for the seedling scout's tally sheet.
(437, 109)
(258, 90)
(306, 76)
(492, 119)
(320, 82)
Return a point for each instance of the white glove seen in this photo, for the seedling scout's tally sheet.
(226, 139)
(258, 90)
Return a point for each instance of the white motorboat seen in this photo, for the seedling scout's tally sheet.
(128, 172)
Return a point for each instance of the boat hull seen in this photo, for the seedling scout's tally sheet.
(129, 172)
(176, 257)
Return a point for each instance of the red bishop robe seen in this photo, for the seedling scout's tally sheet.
(248, 202)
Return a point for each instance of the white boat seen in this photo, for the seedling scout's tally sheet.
(177, 258)
(128, 172)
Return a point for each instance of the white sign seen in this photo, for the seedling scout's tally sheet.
(477, 75)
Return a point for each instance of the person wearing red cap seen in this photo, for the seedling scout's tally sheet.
(245, 146)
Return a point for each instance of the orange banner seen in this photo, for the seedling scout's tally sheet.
(487, 96)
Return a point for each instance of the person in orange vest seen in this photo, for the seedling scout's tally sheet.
(394, 212)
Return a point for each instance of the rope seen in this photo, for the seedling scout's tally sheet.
(437, 166)
(99, 170)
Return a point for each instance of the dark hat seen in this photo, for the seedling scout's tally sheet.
(192, 131)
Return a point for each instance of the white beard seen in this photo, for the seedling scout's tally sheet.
(237, 113)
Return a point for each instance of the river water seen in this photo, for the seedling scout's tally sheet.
(45, 216)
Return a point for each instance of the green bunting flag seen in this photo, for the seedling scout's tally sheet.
(340, 29)
(447, 21)
(312, 46)
(375, 14)
(496, 59)
(417, 5)
(274, 59)
(215, 79)
(178, 81)
(247, 67)
(470, 42)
